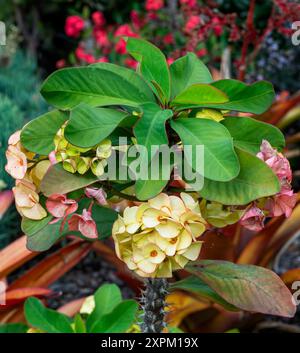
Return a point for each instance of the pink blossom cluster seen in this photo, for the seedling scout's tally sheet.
(280, 204)
(63, 209)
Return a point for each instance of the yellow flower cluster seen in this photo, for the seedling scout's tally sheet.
(159, 236)
(76, 159)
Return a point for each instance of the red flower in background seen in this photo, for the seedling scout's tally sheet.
(98, 18)
(189, 3)
(192, 23)
(125, 30)
(168, 38)
(154, 5)
(136, 20)
(131, 63)
(74, 25)
(101, 37)
(170, 61)
(201, 52)
(120, 46)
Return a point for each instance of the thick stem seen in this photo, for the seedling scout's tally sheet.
(153, 305)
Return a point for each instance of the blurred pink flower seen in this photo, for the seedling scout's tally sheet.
(135, 19)
(98, 18)
(202, 52)
(103, 59)
(124, 30)
(101, 37)
(154, 5)
(60, 63)
(192, 23)
(217, 26)
(131, 63)
(74, 25)
(168, 38)
(59, 206)
(189, 3)
(97, 194)
(84, 224)
(253, 219)
(170, 61)
(120, 46)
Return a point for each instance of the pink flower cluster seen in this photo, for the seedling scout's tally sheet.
(74, 26)
(154, 5)
(280, 204)
(60, 207)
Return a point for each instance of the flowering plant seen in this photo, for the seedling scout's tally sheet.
(111, 125)
(215, 31)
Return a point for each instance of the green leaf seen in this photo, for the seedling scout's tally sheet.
(30, 226)
(147, 189)
(254, 181)
(153, 64)
(187, 71)
(255, 98)
(104, 218)
(79, 325)
(248, 287)
(45, 319)
(13, 328)
(107, 297)
(248, 133)
(150, 129)
(220, 160)
(44, 238)
(100, 85)
(89, 126)
(119, 320)
(59, 181)
(200, 95)
(38, 135)
(197, 286)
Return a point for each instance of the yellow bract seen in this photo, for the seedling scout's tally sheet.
(159, 236)
(211, 114)
(76, 159)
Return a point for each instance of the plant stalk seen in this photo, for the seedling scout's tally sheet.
(153, 304)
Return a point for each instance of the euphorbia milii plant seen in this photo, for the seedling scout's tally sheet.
(60, 159)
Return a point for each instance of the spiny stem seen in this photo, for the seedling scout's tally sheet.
(153, 305)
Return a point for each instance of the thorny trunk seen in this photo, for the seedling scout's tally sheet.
(153, 305)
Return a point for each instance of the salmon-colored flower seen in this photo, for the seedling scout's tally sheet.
(159, 236)
(284, 201)
(98, 194)
(281, 203)
(16, 158)
(253, 219)
(59, 206)
(27, 200)
(84, 224)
